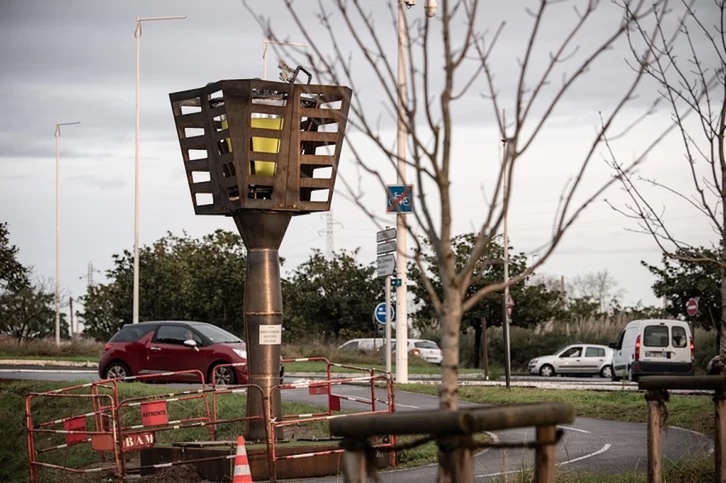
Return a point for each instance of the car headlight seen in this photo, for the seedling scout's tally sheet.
(533, 362)
(241, 353)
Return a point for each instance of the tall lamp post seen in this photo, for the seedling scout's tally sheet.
(137, 35)
(57, 227)
(267, 42)
(402, 290)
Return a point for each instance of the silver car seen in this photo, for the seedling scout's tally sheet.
(576, 359)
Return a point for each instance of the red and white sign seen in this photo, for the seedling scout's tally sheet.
(692, 306)
(154, 413)
(75, 424)
(137, 441)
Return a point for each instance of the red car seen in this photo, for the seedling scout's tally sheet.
(170, 346)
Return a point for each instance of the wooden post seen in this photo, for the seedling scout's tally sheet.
(354, 467)
(545, 455)
(483, 348)
(719, 403)
(655, 466)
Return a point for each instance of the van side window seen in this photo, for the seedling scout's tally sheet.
(655, 336)
(620, 340)
(679, 336)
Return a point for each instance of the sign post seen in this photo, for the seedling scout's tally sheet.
(386, 265)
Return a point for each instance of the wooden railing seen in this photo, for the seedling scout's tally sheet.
(442, 426)
(656, 393)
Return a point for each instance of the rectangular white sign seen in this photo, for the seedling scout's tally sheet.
(388, 234)
(387, 247)
(270, 334)
(386, 265)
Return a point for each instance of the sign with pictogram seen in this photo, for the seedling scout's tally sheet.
(380, 313)
(399, 199)
(315, 390)
(154, 413)
(692, 306)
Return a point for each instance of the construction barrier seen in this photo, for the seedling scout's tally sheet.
(325, 388)
(108, 428)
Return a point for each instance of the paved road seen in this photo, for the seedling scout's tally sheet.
(588, 444)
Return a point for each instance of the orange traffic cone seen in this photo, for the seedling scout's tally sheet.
(242, 473)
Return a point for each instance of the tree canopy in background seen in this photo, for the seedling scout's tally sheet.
(183, 278)
(26, 309)
(534, 302)
(331, 298)
(680, 278)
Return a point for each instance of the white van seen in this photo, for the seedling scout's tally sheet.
(653, 347)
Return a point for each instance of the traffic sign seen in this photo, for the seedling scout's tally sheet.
(387, 247)
(399, 199)
(395, 282)
(692, 306)
(380, 313)
(387, 234)
(386, 265)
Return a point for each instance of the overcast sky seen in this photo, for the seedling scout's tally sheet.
(74, 60)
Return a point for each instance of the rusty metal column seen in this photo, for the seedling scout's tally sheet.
(545, 456)
(655, 464)
(262, 232)
(719, 404)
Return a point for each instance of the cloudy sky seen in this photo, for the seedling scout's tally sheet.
(74, 60)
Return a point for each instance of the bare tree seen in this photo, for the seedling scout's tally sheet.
(691, 82)
(599, 286)
(454, 65)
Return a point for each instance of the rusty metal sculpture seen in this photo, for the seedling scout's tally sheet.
(261, 152)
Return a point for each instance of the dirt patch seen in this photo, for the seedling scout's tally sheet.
(179, 473)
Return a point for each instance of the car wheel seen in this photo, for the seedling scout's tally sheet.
(223, 375)
(117, 370)
(547, 371)
(607, 372)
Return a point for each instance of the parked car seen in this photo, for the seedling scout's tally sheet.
(715, 366)
(427, 350)
(653, 347)
(170, 346)
(365, 344)
(576, 359)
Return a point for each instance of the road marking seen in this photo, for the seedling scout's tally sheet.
(574, 429)
(600, 451)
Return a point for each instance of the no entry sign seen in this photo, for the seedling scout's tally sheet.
(692, 306)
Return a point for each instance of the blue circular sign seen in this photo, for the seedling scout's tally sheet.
(380, 313)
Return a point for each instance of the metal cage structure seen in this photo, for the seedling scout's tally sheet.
(261, 145)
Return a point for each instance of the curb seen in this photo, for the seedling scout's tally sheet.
(311, 375)
(46, 363)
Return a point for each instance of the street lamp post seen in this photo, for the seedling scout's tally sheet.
(137, 35)
(267, 42)
(402, 290)
(57, 227)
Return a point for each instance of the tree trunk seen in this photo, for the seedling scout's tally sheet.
(455, 457)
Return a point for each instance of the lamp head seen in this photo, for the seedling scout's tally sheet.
(430, 8)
